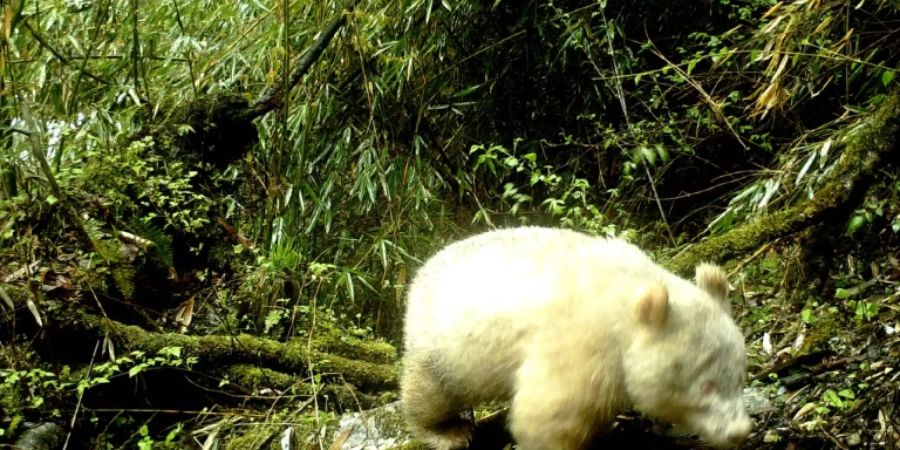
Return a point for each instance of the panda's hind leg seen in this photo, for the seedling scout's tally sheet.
(434, 415)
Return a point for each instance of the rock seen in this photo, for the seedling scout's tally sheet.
(46, 436)
(757, 401)
(374, 429)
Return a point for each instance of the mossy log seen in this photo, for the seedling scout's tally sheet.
(216, 351)
(334, 341)
(865, 148)
(333, 396)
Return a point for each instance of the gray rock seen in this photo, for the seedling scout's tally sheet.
(757, 401)
(46, 436)
(374, 429)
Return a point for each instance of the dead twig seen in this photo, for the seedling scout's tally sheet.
(713, 105)
(80, 396)
(275, 96)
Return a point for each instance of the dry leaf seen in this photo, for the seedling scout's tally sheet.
(210, 440)
(32, 306)
(773, 9)
(339, 442)
(767, 343)
(184, 315)
(6, 298)
(108, 347)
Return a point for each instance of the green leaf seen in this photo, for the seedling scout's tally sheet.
(806, 316)
(173, 351)
(170, 437)
(842, 293)
(662, 152)
(648, 155)
(886, 77)
(132, 372)
(51, 199)
(467, 91)
(856, 222)
(833, 399)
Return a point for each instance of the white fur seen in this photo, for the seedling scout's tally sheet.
(573, 330)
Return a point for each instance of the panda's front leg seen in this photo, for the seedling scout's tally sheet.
(558, 404)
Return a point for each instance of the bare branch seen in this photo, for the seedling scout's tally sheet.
(275, 96)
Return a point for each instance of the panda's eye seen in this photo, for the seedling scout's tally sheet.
(708, 388)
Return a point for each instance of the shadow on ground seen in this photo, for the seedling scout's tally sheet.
(491, 434)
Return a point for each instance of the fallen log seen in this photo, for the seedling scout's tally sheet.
(300, 358)
(866, 146)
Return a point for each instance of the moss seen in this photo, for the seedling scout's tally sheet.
(329, 337)
(334, 396)
(268, 435)
(212, 351)
(254, 377)
(336, 342)
(377, 377)
(412, 446)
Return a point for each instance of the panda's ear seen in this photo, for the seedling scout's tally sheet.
(653, 306)
(712, 279)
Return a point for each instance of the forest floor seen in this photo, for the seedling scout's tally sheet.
(822, 340)
(824, 353)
